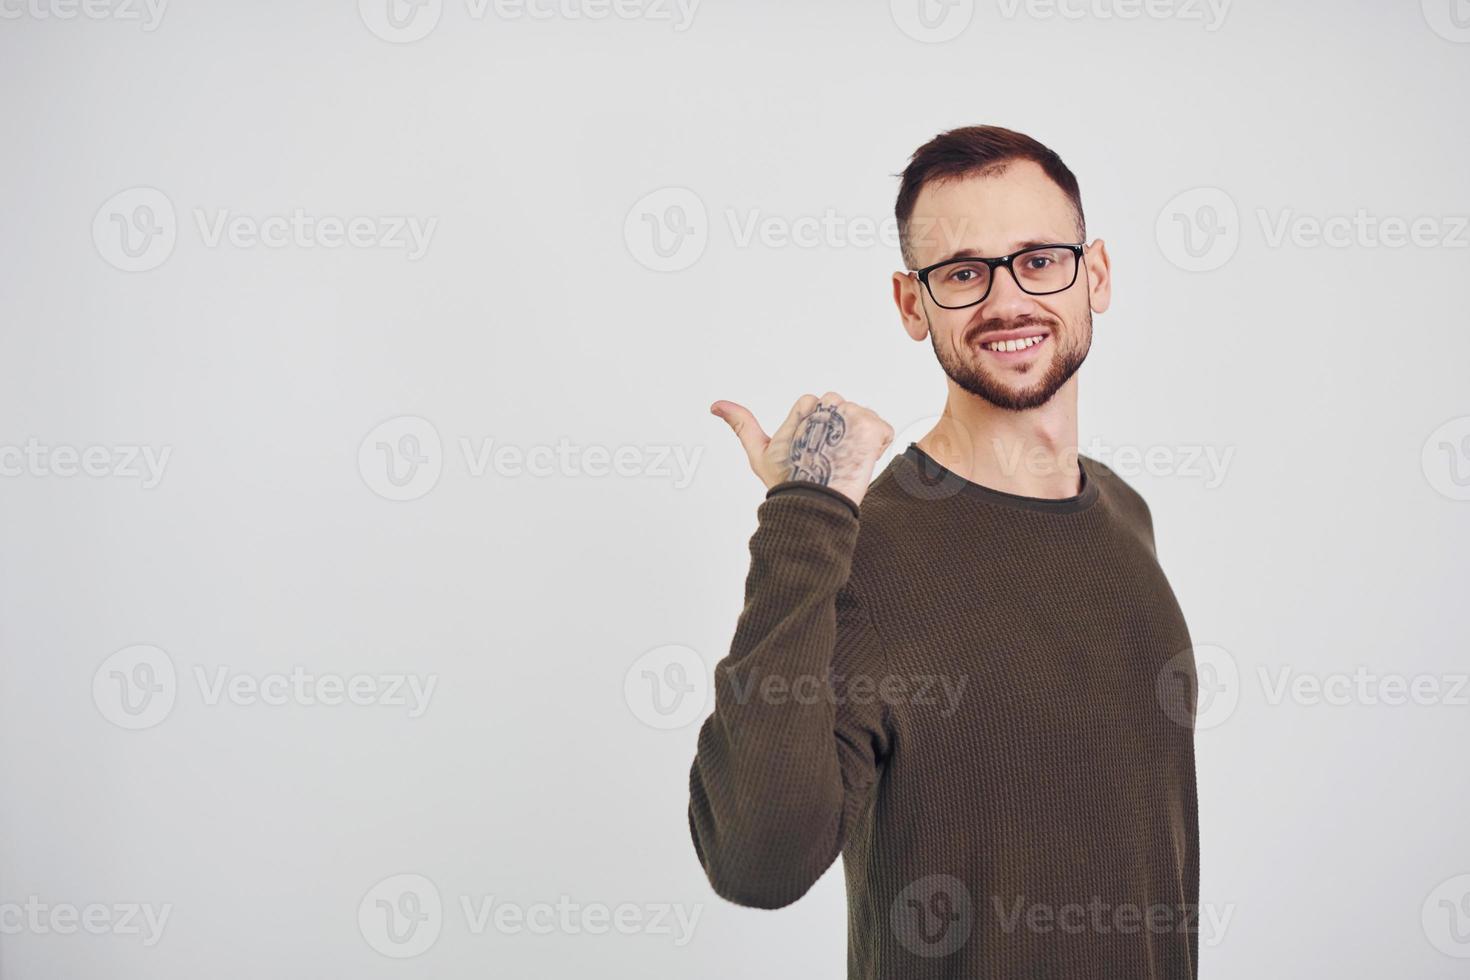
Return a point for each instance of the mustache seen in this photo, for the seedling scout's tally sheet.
(1018, 323)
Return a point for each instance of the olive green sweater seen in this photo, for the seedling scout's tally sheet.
(984, 702)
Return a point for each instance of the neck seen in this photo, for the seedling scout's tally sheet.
(1032, 453)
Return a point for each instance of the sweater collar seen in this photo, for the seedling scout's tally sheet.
(939, 481)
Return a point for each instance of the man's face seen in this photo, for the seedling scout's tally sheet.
(992, 216)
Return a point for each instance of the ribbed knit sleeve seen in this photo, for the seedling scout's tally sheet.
(793, 749)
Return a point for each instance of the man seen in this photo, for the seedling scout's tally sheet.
(970, 678)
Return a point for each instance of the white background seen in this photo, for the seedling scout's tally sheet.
(541, 314)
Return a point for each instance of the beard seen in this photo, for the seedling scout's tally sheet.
(1072, 346)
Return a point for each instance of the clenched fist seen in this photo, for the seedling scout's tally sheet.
(829, 441)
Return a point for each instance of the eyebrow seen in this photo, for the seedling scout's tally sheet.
(973, 253)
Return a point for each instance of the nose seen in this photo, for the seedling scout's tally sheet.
(1007, 299)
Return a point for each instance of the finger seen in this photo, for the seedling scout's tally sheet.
(805, 405)
(747, 429)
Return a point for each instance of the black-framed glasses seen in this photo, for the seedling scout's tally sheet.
(1039, 270)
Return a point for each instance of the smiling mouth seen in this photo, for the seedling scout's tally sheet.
(1013, 346)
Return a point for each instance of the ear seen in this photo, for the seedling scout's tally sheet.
(1099, 276)
(908, 296)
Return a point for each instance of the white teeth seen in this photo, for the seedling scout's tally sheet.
(1010, 345)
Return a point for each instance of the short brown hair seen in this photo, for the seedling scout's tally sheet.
(976, 151)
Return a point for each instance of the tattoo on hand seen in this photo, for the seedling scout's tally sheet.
(815, 442)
